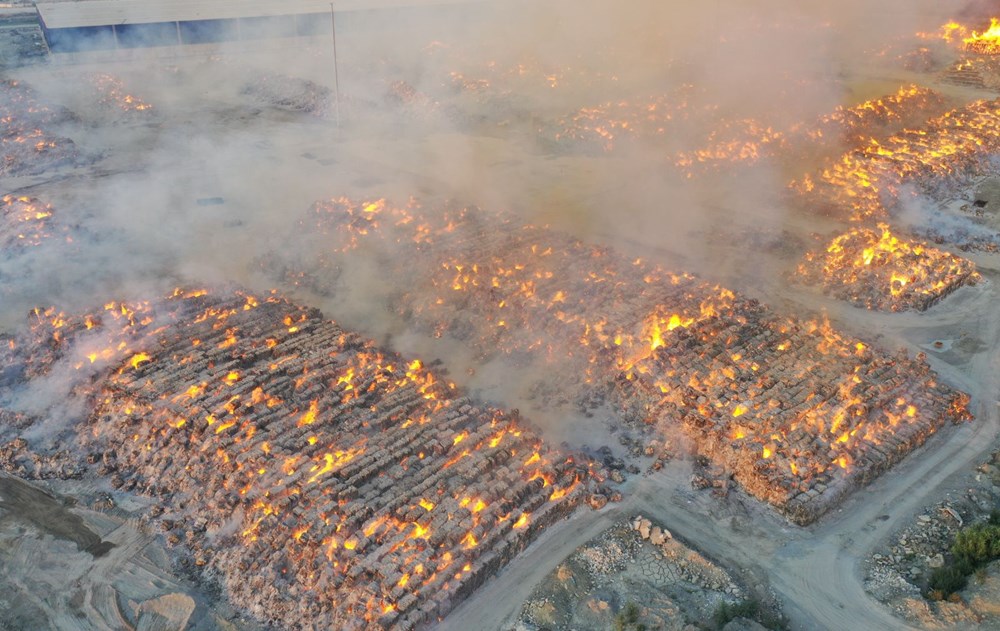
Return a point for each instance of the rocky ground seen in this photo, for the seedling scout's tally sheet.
(899, 572)
(636, 575)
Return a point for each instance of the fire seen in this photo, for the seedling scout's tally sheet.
(987, 42)
(138, 359)
(522, 521)
(309, 417)
(879, 270)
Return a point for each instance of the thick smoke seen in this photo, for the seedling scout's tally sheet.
(214, 178)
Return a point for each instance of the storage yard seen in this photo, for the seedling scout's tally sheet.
(479, 315)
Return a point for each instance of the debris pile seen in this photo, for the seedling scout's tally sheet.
(877, 270)
(320, 480)
(26, 147)
(25, 222)
(798, 414)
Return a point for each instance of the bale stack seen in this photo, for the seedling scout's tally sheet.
(877, 270)
(943, 154)
(112, 95)
(798, 414)
(25, 222)
(323, 482)
(791, 408)
(26, 145)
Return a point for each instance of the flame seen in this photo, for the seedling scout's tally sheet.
(522, 521)
(987, 42)
(310, 415)
(137, 359)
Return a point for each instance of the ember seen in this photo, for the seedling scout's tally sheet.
(25, 221)
(669, 346)
(25, 146)
(878, 270)
(113, 94)
(366, 514)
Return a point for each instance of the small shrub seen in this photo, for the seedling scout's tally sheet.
(947, 580)
(726, 613)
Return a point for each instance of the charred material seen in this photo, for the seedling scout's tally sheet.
(877, 270)
(320, 481)
(26, 146)
(795, 410)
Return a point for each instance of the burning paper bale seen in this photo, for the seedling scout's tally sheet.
(605, 126)
(877, 270)
(323, 481)
(25, 222)
(970, 40)
(25, 147)
(792, 408)
(985, 43)
(112, 95)
(942, 155)
(910, 106)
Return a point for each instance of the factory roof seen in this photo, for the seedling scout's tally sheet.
(77, 13)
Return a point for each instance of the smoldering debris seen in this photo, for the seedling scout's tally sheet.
(298, 440)
(797, 412)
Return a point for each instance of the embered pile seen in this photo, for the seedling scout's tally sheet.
(26, 146)
(875, 269)
(24, 221)
(866, 183)
(322, 482)
(798, 414)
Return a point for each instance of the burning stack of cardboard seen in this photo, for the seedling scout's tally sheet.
(324, 482)
(26, 147)
(24, 222)
(877, 270)
(947, 152)
(866, 185)
(792, 409)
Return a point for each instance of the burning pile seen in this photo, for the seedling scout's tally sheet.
(740, 141)
(910, 106)
(25, 221)
(113, 95)
(323, 481)
(791, 409)
(877, 270)
(606, 125)
(946, 152)
(25, 148)
(985, 43)
(743, 141)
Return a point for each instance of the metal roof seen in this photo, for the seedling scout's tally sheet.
(74, 13)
